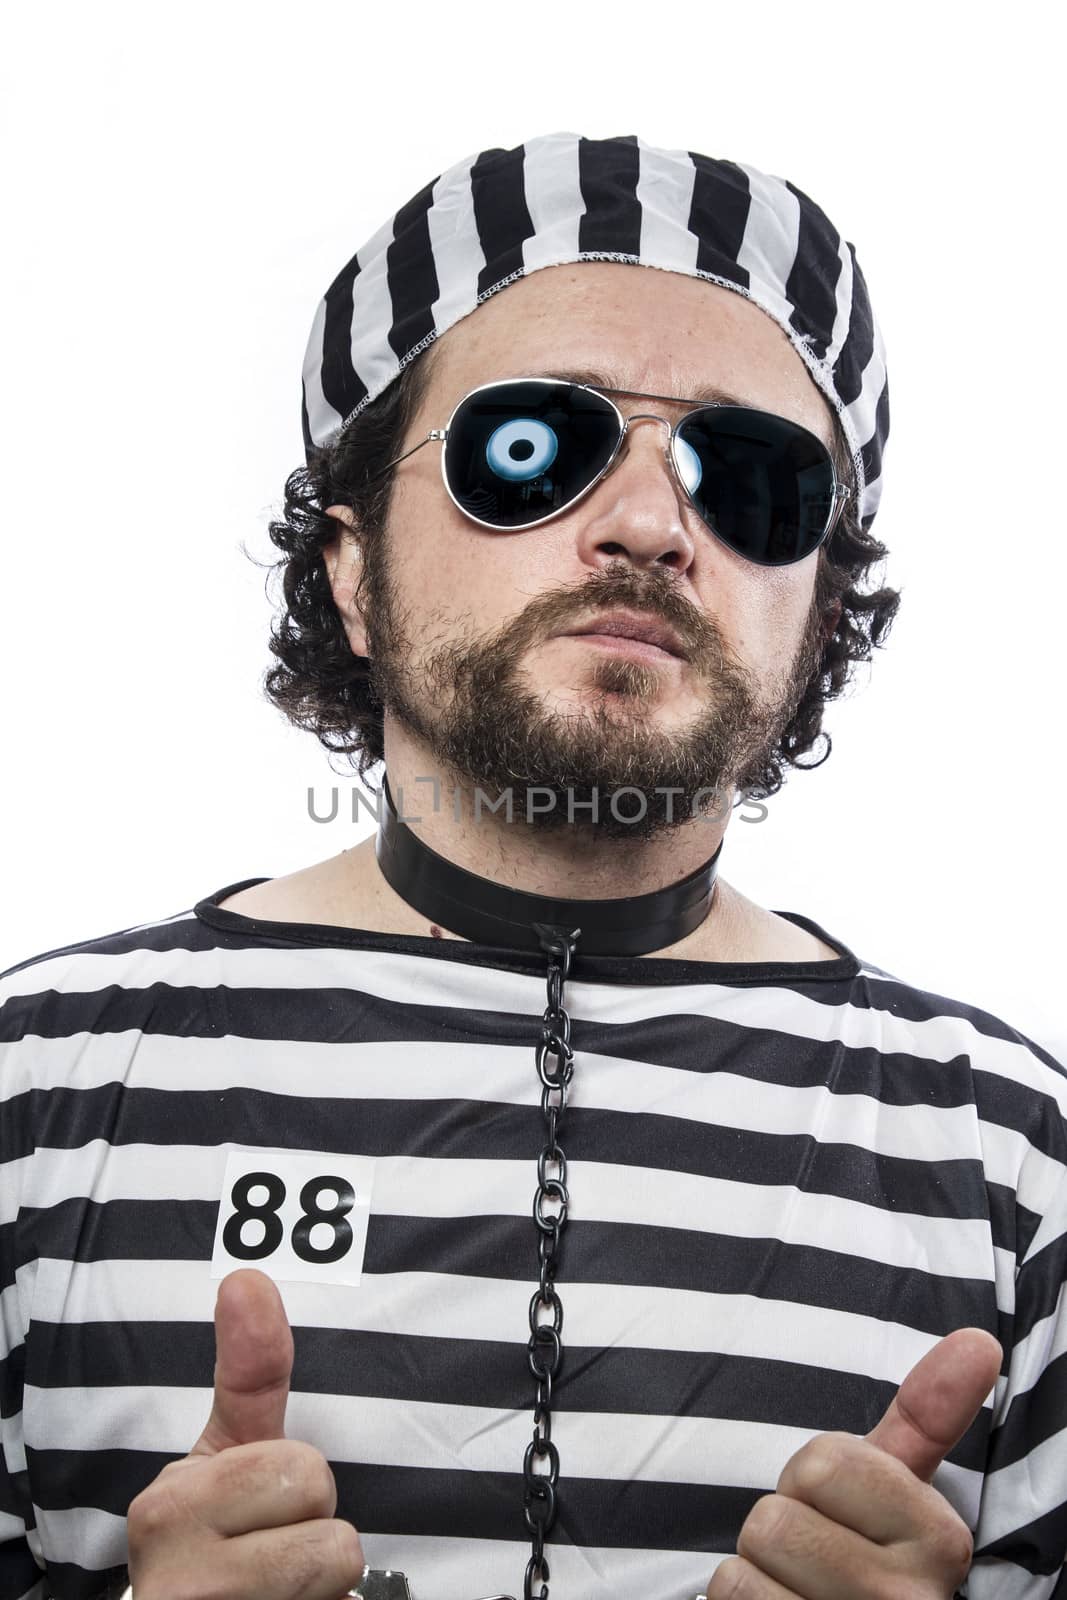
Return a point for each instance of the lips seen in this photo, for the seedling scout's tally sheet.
(630, 625)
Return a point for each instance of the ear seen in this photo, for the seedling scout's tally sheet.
(343, 559)
(830, 619)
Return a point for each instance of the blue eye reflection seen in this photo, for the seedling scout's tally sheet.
(521, 449)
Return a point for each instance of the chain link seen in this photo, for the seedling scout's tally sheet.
(555, 1069)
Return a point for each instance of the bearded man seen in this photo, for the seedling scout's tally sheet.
(569, 1221)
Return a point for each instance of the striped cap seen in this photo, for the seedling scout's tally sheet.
(501, 214)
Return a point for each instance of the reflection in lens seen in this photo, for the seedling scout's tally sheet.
(688, 464)
(766, 485)
(522, 449)
(519, 451)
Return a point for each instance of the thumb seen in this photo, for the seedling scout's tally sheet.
(253, 1364)
(938, 1400)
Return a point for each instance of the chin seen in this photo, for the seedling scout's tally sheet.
(589, 698)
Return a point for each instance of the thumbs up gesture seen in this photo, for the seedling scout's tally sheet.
(855, 1519)
(247, 1511)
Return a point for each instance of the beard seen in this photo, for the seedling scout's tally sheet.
(470, 704)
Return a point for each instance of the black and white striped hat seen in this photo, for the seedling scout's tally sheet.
(501, 214)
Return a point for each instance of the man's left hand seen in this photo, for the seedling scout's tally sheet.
(857, 1519)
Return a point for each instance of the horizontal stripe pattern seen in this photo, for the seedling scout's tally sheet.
(388, 1068)
(474, 1308)
(483, 1371)
(690, 1205)
(786, 1186)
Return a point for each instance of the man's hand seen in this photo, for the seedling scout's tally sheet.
(247, 1512)
(857, 1519)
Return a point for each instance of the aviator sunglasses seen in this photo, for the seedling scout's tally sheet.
(524, 450)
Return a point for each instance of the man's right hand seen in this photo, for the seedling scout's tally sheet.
(247, 1512)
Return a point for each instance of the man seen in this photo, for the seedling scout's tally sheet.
(786, 1318)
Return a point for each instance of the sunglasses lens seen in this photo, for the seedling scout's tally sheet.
(517, 452)
(764, 484)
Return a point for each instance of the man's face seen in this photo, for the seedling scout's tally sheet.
(469, 630)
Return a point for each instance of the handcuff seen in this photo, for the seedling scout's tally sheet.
(377, 1583)
(384, 1583)
(388, 1584)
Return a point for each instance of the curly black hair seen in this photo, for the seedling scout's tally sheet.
(322, 686)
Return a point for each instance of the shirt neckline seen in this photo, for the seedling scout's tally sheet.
(634, 970)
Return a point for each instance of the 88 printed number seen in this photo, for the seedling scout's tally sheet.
(312, 1213)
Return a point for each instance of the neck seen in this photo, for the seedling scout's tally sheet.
(444, 881)
(490, 835)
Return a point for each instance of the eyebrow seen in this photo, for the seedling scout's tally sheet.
(706, 395)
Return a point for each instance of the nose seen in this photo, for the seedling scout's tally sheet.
(639, 509)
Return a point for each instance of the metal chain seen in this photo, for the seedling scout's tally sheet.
(555, 1068)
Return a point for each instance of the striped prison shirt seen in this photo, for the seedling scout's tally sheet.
(788, 1182)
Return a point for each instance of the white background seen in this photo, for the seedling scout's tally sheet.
(180, 186)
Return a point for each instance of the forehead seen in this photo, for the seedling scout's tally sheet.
(640, 328)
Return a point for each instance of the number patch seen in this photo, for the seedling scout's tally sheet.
(301, 1217)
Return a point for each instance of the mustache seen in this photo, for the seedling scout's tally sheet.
(620, 585)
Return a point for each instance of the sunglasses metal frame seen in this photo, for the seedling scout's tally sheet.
(841, 491)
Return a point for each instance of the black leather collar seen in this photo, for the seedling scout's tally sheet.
(489, 913)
